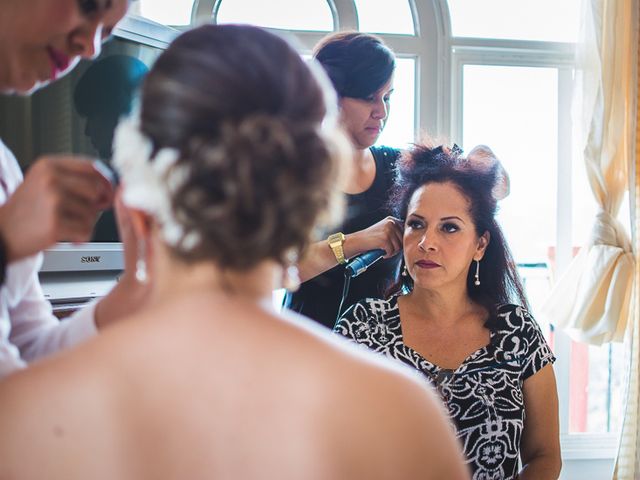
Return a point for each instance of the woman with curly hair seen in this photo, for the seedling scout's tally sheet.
(231, 163)
(458, 315)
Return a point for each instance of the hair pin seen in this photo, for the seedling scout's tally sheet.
(456, 150)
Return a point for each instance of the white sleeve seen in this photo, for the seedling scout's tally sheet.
(28, 328)
(10, 360)
(37, 332)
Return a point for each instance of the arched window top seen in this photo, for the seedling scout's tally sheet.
(541, 20)
(175, 12)
(313, 15)
(384, 16)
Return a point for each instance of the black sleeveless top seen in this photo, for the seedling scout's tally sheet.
(319, 298)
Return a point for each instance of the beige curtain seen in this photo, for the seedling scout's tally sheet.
(628, 459)
(592, 299)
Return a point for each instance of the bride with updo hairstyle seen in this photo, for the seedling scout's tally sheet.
(228, 169)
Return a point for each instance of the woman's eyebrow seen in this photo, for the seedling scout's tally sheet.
(452, 217)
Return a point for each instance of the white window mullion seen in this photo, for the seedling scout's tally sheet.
(457, 95)
(564, 187)
(345, 14)
(563, 235)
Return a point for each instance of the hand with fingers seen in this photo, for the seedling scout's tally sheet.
(59, 200)
(386, 234)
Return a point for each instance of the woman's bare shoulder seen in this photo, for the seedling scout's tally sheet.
(383, 416)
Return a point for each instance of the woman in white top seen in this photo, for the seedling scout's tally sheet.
(40, 41)
(232, 162)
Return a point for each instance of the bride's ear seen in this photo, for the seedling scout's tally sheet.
(134, 227)
(141, 223)
(132, 223)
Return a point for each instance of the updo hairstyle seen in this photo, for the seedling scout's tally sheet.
(246, 114)
(476, 181)
(358, 64)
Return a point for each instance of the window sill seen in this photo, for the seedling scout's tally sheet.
(589, 446)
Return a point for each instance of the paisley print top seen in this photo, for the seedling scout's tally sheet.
(484, 395)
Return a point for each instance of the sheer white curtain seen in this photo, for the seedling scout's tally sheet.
(592, 300)
(628, 460)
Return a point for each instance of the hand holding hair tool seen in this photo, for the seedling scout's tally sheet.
(355, 267)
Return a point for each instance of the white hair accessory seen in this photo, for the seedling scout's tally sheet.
(149, 185)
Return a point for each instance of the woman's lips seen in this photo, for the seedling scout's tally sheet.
(427, 264)
(59, 62)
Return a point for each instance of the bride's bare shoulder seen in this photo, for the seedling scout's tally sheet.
(369, 415)
(384, 416)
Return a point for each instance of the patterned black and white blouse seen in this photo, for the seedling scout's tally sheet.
(484, 394)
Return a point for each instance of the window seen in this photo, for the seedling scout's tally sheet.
(374, 16)
(546, 20)
(596, 388)
(175, 13)
(300, 14)
(514, 109)
(399, 131)
(524, 139)
(511, 88)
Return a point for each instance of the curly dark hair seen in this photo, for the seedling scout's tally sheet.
(246, 114)
(423, 165)
(357, 63)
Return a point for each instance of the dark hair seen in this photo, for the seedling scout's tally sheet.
(358, 64)
(422, 165)
(246, 114)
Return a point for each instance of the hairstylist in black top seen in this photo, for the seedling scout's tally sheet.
(361, 69)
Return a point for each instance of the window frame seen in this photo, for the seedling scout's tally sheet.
(147, 32)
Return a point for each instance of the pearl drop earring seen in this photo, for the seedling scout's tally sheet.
(141, 263)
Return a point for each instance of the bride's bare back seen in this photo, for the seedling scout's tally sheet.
(213, 388)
